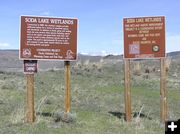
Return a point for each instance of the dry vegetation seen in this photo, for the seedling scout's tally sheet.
(97, 99)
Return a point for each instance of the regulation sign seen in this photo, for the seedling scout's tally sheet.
(144, 37)
(48, 38)
(30, 66)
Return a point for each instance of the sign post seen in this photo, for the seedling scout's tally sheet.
(30, 67)
(47, 38)
(127, 94)
(163, 91)
(30, 98)
(144, 37)
(67, 87)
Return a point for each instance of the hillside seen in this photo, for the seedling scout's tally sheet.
(9, 60)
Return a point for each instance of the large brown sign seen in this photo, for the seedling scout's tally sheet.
(48, 38)
(144, 37)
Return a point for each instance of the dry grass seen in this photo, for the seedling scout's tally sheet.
(18, 115)
(97, 100)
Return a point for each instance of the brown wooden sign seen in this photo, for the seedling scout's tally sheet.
(48, 38)
(144, 37)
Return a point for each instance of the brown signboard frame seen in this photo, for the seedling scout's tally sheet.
(144, 37)
(48, 38)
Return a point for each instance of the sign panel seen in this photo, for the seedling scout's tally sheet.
(48, 38)
(30, 66)
(144, 37)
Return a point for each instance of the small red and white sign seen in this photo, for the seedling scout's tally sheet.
(30, 66)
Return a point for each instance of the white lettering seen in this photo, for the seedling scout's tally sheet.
(156, 19)
(30, 20)
(61, 21)
(130, 20)
(41, 20)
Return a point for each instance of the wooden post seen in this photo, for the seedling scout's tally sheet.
(30, 98)
(163, 92)
(67, 87)
(127, 92)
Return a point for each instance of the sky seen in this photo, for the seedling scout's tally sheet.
(100, 29)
